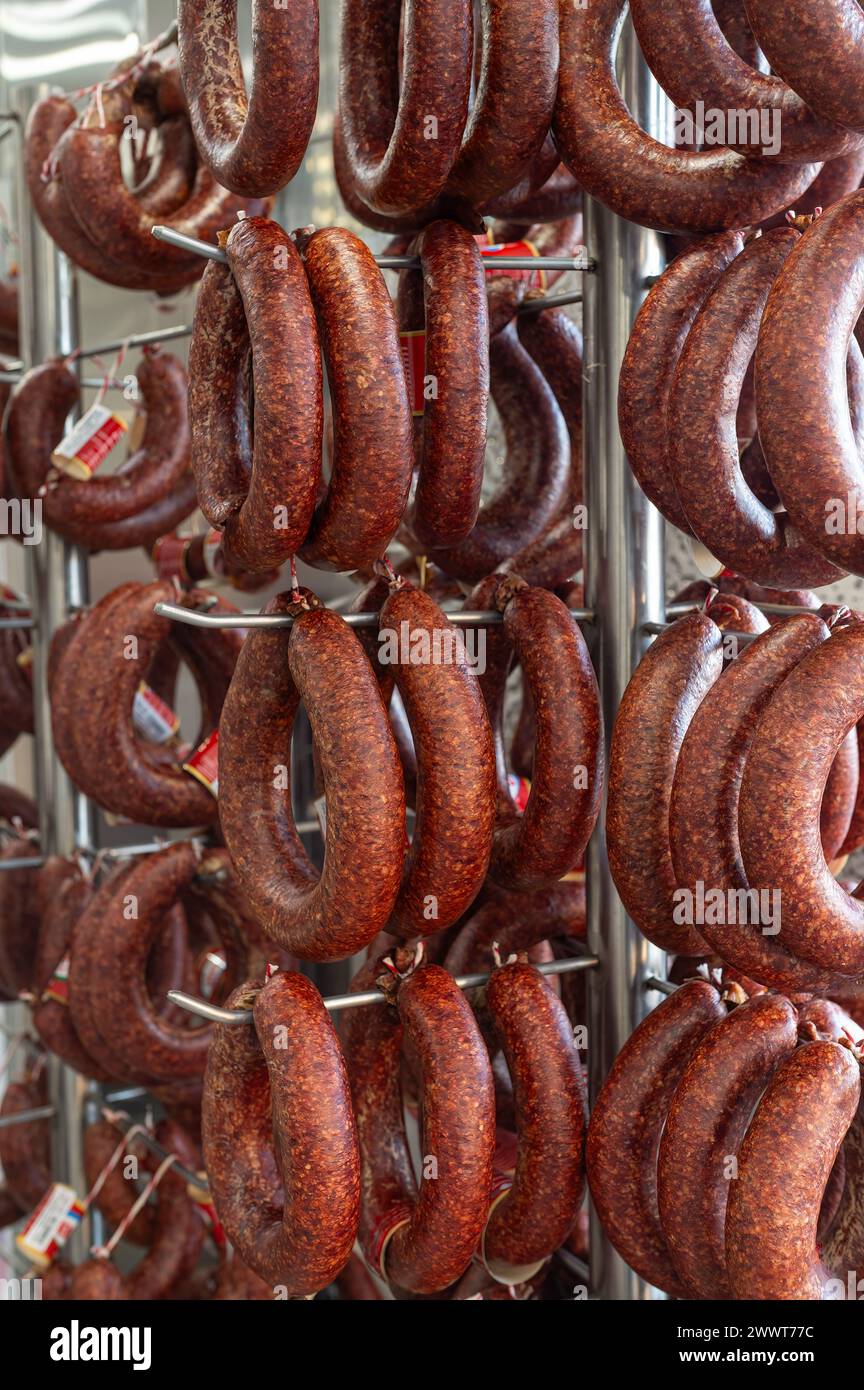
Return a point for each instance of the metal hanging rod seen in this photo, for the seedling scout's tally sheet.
(677, 610)
(196, 618)
(40, 1112)
(660, 986)
(215, 253)
(654, 630)
(215, 1014)
(154, 335)
(195, 1179)
(548, 301)
(25, 624)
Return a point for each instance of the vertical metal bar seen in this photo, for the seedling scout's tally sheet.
(625, 588)
(57, 575)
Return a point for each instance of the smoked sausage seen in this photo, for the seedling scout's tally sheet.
(667, 688)
(245, 148)
(711, 72)
(264, 500)
(355, 522)
(421, 1240)
(801, 389)
(535, 1214)
(705, 1124)
(626, 1127)
(819, 52)
(401, 139)
(784, 1165)
(449, 854)
(634, 175)
(319, 661)
(451, 433)
(653, 349)
(703, 402)
(783, 851)
(280, 1142)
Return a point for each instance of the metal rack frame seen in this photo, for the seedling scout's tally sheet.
(625, 603)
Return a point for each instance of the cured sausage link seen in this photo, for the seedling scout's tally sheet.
(280, 1143)
(319, 661)
(627, 1124)
(246, 147)
(784, 1165)
(635, 176)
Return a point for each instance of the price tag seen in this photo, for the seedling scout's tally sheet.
(51, 1224)
(152, 718)
(204, 763)
(89, 442)
(413, 347)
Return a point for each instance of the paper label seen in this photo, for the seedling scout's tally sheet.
(89, 442)
(204, 763)
(520, 790)
(152, 718)
(413, 348)
(169, 556)
(51, 1224)
(58, 986)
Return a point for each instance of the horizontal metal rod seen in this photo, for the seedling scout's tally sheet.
(154, 335)
(660, 986)
(216, 1014)
(35, 863)
(654, 629)
(677, 610)
(215, 253)
(126, 1093)
(15, 623)
(41, 1112)
(196, 618)
(548, 301)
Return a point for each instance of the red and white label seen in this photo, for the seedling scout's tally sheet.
(536, 278)
(51, 1224)
(58, 986)
(204, 763)
(169, 557)
(413, 346)
(520, 790)
(151, 717)
(89, 442)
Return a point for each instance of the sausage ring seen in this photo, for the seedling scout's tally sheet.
(449, 854)
(264, 503)
(451, 433)
(245, 149)
(714, 74)
(635, 176)
(667, 688)
(626, 1127)
(421, 1240)
(783, 851)
(784, 1165)
(802, 400)
(401, 140)
(320, 662)
(280, 1083)
(705, 1125)
(739, 529)
(357, 519)
(653, 350)
(531, 1218)
(818, 51)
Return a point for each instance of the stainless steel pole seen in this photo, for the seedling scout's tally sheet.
(58, 579)
(624, 588)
